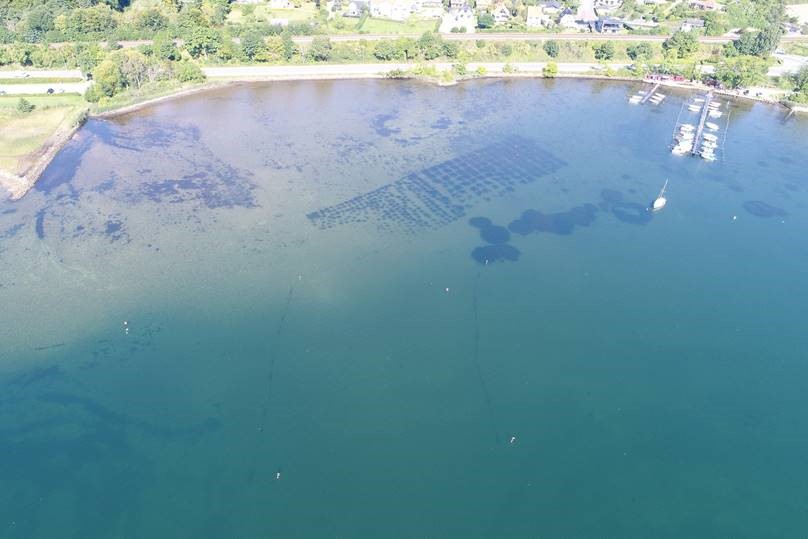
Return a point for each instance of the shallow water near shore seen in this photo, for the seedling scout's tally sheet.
(433, 312)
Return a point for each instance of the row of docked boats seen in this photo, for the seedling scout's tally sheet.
(684, 140)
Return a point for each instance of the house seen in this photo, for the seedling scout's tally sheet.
(535, 17)
(689, 25)
(456, 19)
(608, 5)
(394, 10)
(356, 8)
(458, 5)
(484, 5)
(501, 13)
(428, 9)
(641, 24)
(607, 26)
(569, 21)
(551, 7)
(704, 5)
(654, 2)
(280, 4)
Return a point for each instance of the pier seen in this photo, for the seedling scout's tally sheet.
(705, 110)
(648, 94)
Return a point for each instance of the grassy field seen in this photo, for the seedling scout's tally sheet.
(384, 26)
(262, 12)
(36, 80)
(797, 48)
(22, 134)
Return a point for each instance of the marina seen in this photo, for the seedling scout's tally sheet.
(699, 139)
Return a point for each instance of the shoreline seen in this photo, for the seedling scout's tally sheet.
(19, 185)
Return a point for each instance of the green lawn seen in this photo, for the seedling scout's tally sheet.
(23, 134)
(384, 26)
(306, 12)
(797, 48)
(35, 80)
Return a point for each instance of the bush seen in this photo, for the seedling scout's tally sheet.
(551, 48)
(320, 49)
(189, 72)
(640, 52)
(604, 51)
(24, 106)
(460, 69)
(550, 70)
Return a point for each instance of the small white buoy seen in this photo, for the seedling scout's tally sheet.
(447, 289)
(734, 217)
(513, 440)
(277, 475)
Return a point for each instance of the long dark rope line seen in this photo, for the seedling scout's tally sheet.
(271, 370)
(486, 394)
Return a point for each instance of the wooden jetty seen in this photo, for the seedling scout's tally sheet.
(705, 110)
(648, 95)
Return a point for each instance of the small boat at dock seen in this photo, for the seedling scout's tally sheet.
(711, 126)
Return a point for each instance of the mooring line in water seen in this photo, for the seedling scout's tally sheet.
(486, 394)
(271, 371)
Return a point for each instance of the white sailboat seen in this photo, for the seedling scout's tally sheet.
(660, 201)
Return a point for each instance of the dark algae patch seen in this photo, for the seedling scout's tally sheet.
(758, 208)
(490, 232)
(441, 194)
(562, 223)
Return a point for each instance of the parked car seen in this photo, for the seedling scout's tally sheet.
(50, 91)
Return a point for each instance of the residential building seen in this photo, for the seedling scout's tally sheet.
(484, 5)
(428, 9)
(501, 13)
(356, 8)
(394, 10)
(688, 25)
(607, 26)
(280, 4)
(535, 17)
(551, 7)
(608, 5)
(704, 5)
(458, 18)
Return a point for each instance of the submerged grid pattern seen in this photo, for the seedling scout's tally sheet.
(440, 194)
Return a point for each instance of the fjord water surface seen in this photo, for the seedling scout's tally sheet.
(372, 287)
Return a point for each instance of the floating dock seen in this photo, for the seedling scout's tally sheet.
(705, 110)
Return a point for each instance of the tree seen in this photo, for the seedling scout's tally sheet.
(289, 46)
(604, 51)
(741, 72)
(252, 43)
(641, 52)
(430, 45)
(485, 20)
(164, 48)
(550, 70)
(320, 49)
(800, 80)
(24, 106)
(714, 24)
(151, 20)
(551, 48)
(108, 78)
(681, 44)
(385, 50)
(203, 41)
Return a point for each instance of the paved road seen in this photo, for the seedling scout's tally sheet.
(41, 73)
(378, 70)
(58, 87)
(489, 36)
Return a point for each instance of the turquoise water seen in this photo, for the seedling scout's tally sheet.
(339, 282)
